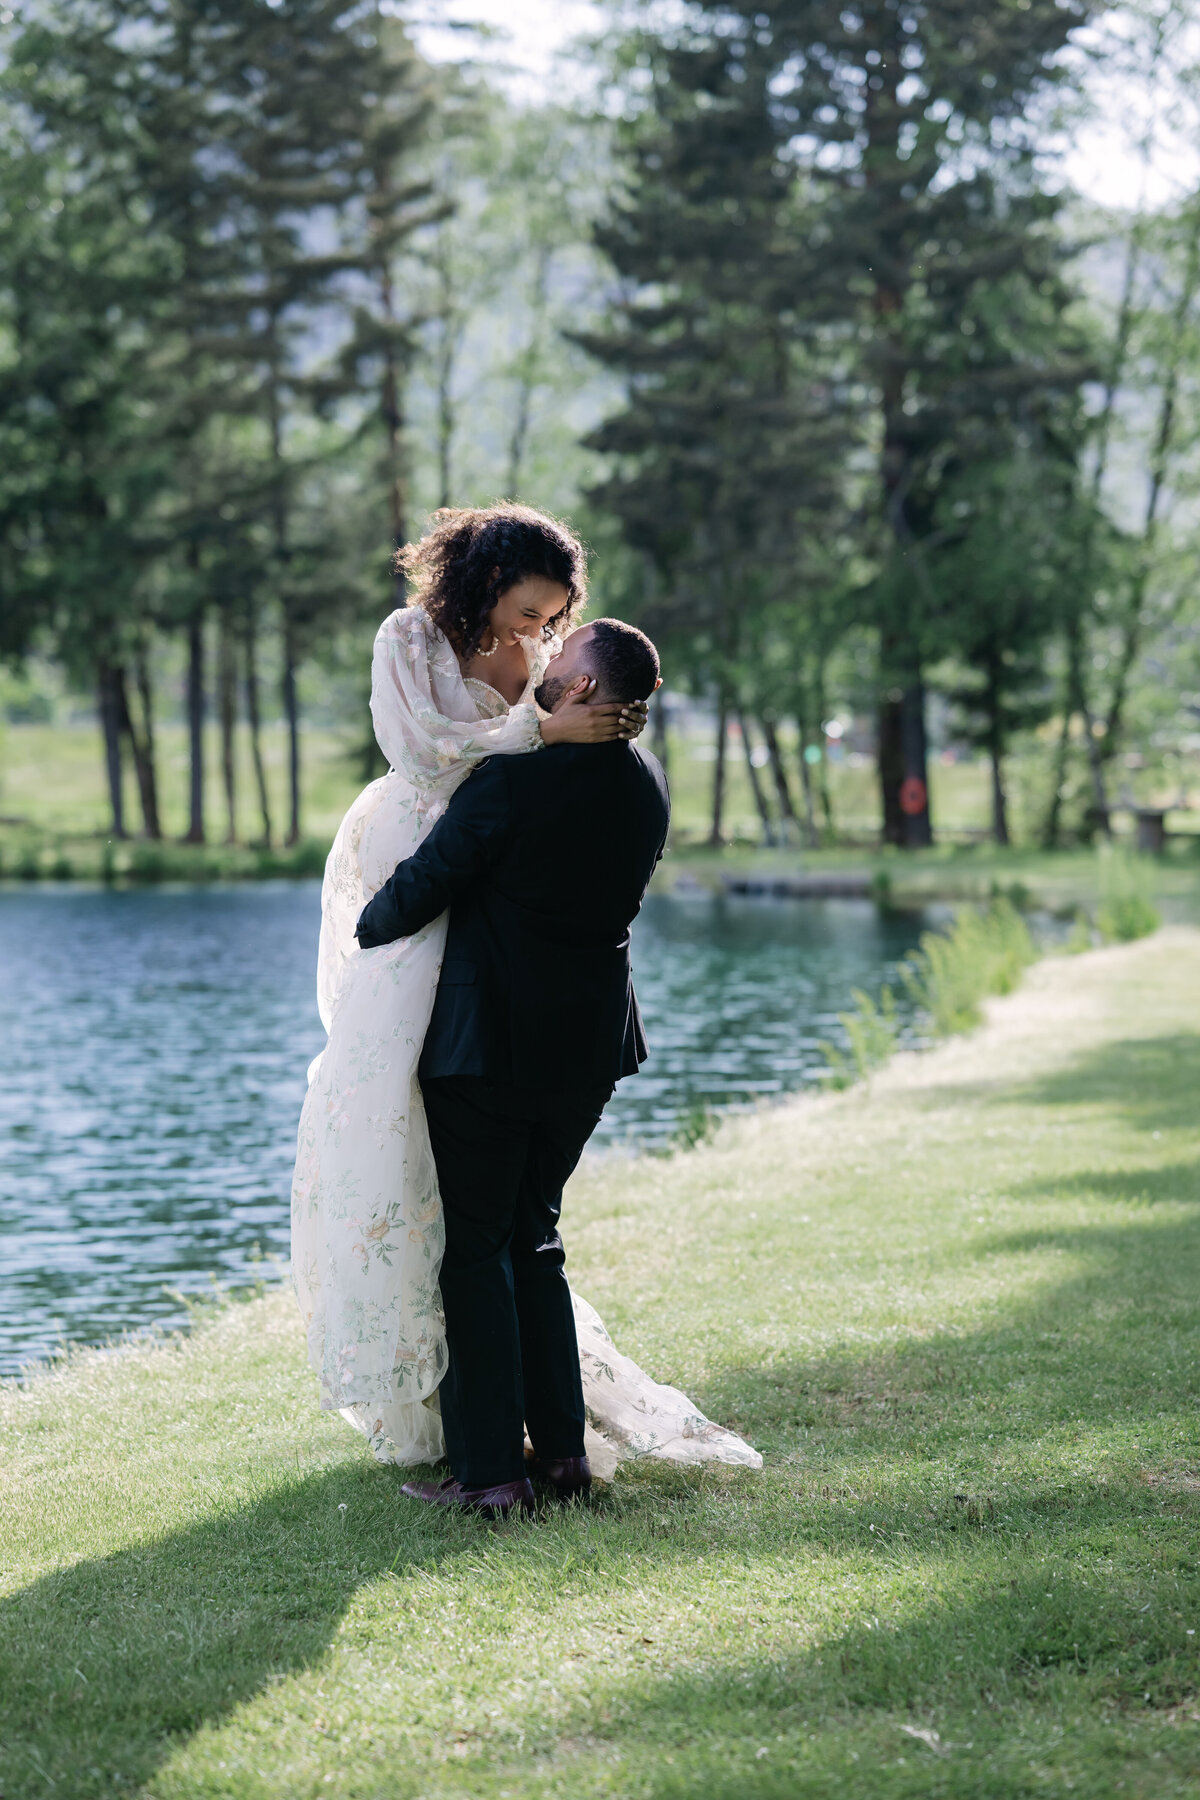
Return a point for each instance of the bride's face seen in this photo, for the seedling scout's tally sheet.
(526, 608)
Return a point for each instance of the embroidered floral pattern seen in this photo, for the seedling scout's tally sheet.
(367, 1234)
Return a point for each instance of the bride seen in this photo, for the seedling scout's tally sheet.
(452, 682)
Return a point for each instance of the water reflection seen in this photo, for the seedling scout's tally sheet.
(738, 995)
(153, 1059)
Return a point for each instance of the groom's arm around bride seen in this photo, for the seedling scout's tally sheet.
(543, 861)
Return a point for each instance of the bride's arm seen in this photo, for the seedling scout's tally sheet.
(424, 743)
(416, 736)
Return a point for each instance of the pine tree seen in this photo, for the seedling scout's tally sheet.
(729, 445)
(915, 117)
(908, 235)
(80, 473)
(253, 155)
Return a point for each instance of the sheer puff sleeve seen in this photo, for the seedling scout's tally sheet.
(427, 724)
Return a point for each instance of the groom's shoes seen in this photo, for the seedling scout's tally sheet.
(490, 1502)
(569, 1476)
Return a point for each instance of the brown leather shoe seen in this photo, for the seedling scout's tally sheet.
(569, 1476)
(490, 1502)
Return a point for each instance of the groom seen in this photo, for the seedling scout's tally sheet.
(543, 861)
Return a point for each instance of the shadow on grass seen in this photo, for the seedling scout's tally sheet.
(111, 1666)
(1112, 1349)
(107, 1667)
(1151, 1083)
(952, 1447)
(1177, 1181)
(992, 1662)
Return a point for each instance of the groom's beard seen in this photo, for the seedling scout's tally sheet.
(550, 691)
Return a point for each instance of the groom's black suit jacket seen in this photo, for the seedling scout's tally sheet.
(543, 860)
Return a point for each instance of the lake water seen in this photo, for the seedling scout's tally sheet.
(153, 1055)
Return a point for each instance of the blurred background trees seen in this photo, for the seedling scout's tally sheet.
(887, 438)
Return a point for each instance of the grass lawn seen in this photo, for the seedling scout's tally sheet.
(959, 1313)
(53, 824)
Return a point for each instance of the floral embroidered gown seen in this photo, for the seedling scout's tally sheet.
(367, 1234)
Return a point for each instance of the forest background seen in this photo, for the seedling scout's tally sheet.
(886, 433)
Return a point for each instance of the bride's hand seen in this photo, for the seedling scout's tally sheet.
(576, 722)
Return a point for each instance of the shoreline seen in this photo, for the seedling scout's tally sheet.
(1059, 882)
(957, 1309)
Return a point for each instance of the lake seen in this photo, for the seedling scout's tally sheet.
(153, 1058)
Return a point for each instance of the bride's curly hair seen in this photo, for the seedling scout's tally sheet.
(473, 555)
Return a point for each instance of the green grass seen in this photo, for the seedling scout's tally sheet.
(54, 826)
(958, 1313)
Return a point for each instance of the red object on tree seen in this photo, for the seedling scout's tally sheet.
(913, 796)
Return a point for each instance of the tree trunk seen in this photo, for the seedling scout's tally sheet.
(715, 834)
(1075, 701)
(783, 787)
(195, 716)
(811, 833)
(903, 765)
(826, 794)
(994, 702)
(1114, 376)
(999, 803)
(227, 712)
(392, 409)
(760, 798)
(145, 753)
(292, 714)
(1051, 833)
(254, 720)
(1135, 619)
(280, 500)
(903, 775)
(108, 706)
(823, 765)
(658, 731)
(526, 373)
(447, 412)
(143, 761)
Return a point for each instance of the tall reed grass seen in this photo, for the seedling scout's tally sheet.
(948, 977)
(956, 969)
(1126, 909)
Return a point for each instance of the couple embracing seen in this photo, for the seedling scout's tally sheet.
(474, 982)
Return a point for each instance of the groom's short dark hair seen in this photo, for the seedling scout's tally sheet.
(623, 660)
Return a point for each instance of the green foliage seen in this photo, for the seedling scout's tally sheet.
(955, 969)
(853, 373)
(1017, 893)
(871, 1034)
(1126, 910)
(697, 1127)
(1079, 938)
(211, 207)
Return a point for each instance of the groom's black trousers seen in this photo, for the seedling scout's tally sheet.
(502, 1158)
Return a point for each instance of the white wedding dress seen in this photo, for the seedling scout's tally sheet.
(367, 1233)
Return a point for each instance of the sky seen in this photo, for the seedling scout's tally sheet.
(1101, 156)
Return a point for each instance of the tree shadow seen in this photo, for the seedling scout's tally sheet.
(106, 1667)
(1113, 1345)
(1150, 1082)
(1176, 1181)
(840, 1714)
